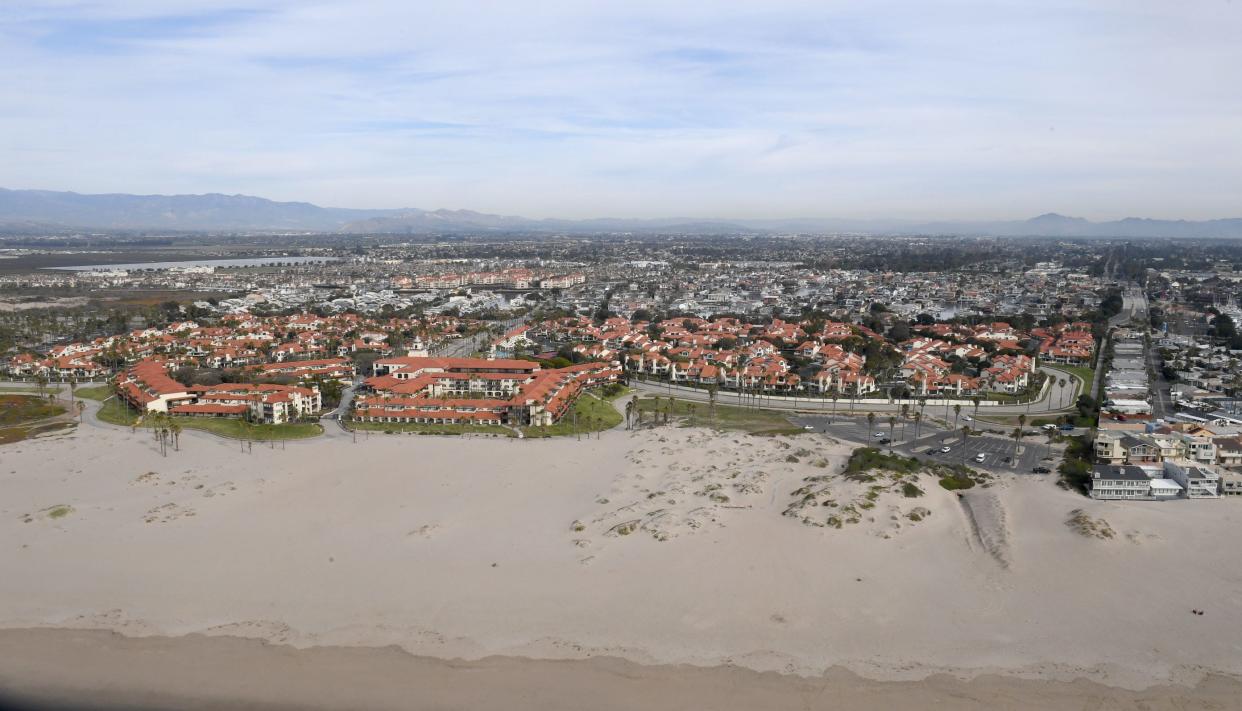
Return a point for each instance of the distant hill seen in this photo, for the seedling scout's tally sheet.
(43, 210)
(179, 212)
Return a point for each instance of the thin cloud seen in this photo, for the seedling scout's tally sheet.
(893, 108)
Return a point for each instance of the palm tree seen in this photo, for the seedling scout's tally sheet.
(690, 412)
(161, 434)
(835, 396)
(80, 406)
(965, 434)
(711, 400)
(629, 412)
(73, 385)
(1061, 399)
(1017, 437)
(976, 400)
(892, 422)
(957, 411)
(870, 424)
(175, 428)
(918, 424)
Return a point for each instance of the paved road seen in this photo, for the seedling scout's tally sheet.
(1133, 306)
(1162, 398)
(460, 347)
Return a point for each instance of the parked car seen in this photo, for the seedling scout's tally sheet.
(1050, 426)
(946, 450)
(1067, 428)
(1041, 470)
(878, 435)
(968, 418)
(980, 457)
(886, 440)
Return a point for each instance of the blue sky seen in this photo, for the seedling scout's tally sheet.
(913, 109)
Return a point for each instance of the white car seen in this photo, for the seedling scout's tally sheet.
(946, 450)
(980, 457)
(968, 418)
(878, 435)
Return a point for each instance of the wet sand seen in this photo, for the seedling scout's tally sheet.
(197, 672)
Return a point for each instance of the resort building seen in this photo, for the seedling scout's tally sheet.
(475, 391)
(267, 403)
(146, 386)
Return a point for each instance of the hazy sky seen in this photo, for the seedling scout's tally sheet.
(906, 108)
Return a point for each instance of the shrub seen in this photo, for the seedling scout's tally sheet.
(957, 481)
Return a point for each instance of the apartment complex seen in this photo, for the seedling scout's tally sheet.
(475, 391)
(147, 387)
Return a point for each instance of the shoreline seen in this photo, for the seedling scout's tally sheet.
(109, 669)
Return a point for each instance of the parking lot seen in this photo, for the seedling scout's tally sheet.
(996, 450)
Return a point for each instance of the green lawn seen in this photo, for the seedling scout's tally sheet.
(727, 417)
(618, 392)
(115, 412)
(593, 413)
(94, 392)
(427, 428)
(1086, 374)
(239, 429)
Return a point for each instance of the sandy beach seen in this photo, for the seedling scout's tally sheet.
(674, 546)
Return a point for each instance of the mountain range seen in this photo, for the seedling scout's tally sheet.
(38, 210)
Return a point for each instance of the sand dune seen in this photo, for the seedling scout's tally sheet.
(455, 549)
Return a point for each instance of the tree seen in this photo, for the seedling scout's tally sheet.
(175, 428)
(1017, 438)
(976, 400)
(41, 382)
(629, 412)
(80, 406)
(870, 424)
(1061, 384)
(892, 422)
(957, 410)
(918, 424)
